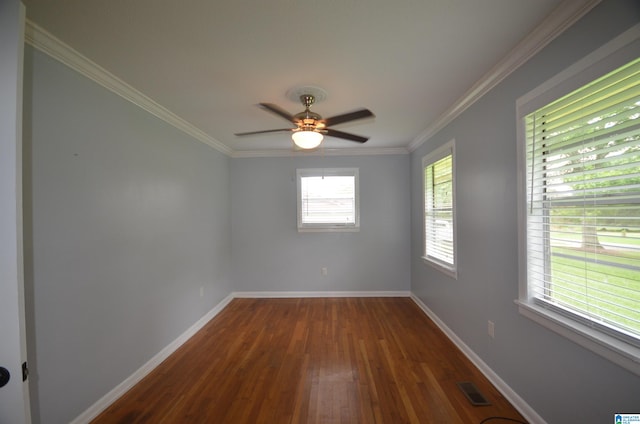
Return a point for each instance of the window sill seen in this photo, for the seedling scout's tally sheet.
(328, 229)
(451, 272)
(618, 352)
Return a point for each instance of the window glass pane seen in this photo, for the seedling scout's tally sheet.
(328, 199)
(583, 224)
(438, 212)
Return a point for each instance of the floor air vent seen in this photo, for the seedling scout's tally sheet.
(473, 394)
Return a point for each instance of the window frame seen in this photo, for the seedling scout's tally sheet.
(328, 172)
(616, 53)
(450, 269)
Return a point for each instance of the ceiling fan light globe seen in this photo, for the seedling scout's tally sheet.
(307, 139)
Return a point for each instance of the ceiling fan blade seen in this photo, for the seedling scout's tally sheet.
(346, 117)
(278, 111)
(263, 132)
(346, 136)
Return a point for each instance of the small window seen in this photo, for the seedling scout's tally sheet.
(328, 199)
(439, 210)
(580, 210)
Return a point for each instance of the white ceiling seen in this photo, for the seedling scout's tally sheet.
(211, 61)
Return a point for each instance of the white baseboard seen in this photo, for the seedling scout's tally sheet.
(104, 402)
(290, 294)
(523, 407)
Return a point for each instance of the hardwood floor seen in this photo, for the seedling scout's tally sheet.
(312, 360)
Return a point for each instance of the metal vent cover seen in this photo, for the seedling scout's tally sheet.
(473, 394)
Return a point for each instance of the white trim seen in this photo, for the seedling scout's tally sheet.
(104, 402)
(606, 58)
(52, 46)
(313, 294)
(448, 148)
(325, 228)
(58, 50)
(14, 398)
(557, 22)
(561, 18)
(440, 266)
(363, 151)
(328, 172)
(523, 407)
(618, 352)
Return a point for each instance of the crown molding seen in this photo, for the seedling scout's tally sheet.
(47, 43)
(561, 18)
(379, 151)
(554, 24)
(52, 46)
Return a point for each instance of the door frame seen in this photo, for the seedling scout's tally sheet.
(14, 396)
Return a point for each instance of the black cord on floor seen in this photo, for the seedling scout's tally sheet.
(502, 418)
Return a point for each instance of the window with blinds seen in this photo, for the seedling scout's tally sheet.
(328, 199)
(583, 204)
(439, 223)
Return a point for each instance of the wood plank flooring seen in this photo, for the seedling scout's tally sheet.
(312, 360)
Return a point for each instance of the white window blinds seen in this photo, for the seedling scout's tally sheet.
(438, 208)
(583, 204)
(328, 198)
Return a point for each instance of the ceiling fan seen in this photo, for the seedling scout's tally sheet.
(311, 127)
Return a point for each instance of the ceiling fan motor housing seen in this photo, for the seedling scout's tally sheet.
(311, 122)
(307, 120)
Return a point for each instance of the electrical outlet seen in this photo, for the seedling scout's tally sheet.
(491, 329)
(323, 271)
(201, 291)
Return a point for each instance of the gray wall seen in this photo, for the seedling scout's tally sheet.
(269, 254)
(126, 219)
(562, 381)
